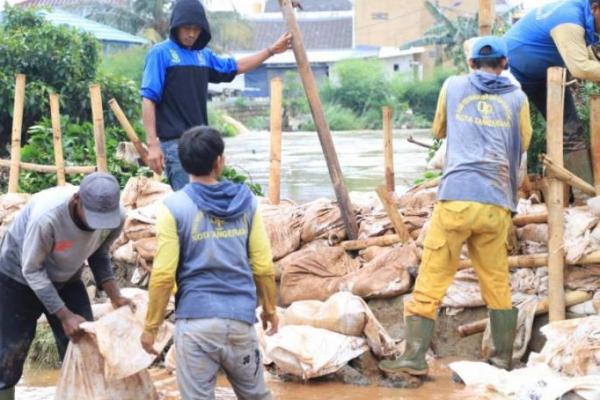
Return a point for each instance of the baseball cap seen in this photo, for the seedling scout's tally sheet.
(100, 198)
(495, 43)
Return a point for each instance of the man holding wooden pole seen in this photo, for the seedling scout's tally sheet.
(557, 35)
(175, 84)
(485, 119)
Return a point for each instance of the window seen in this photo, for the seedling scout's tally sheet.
(396, 67)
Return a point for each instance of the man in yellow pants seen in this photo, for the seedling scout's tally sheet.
(485, 120)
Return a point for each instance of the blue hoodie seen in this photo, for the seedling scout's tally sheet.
(483, 139)
(214, 277)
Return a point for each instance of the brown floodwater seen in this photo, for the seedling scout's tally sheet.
(40, 385)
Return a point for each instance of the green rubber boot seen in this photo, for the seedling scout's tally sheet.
(580, 163)
(503, 324)
(419, 332)
(7, 394)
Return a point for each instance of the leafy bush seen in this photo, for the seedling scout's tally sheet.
(55, 59)
(233, 175)
(339, 119)
(217, 121)
(128, 64)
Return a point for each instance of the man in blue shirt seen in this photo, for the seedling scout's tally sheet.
(558, 34)
(175, 84)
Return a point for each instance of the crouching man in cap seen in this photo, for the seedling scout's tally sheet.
(41, 259)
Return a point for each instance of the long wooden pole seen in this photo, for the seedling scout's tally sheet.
(556, 221)
(382, 241)
(17, 126)
(486, 17)
(312, 93)
(49, 169)
(57, 139)
(566, 176)
(393, 213)
(595, 139)
(129, 131)
(536, 261)
(571, 299)
(388, 149)
(276, 121)
(98, 119)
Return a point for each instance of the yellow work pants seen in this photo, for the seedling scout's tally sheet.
(485, 228)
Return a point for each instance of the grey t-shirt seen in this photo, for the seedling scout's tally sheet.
(44, 249)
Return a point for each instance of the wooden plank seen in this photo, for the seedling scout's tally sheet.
(571, 299)
(382, 241)
(566, 176)
(487, 14)
(595, 139)
(275, 156)
(556, 221)
(393, 213)
(57, 140)
(49, 169)
(312, 93)
(388, 149)
(98, 120)
(17, 126)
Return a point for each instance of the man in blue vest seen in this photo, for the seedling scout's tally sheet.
(212, 242)
(485, 120)
(558, 34)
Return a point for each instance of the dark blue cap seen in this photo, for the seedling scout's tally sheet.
(496, 44)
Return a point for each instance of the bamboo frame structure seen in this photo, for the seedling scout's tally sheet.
(388, 149)
(17, 126)
(98, 121)
(382, 241)
(595, 139)
(566, 176)
(275, 152)
(393, 213)
(57, 140)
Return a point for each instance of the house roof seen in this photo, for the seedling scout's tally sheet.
(320, 33)
(63, 3)
(100, 31)
(314, 5)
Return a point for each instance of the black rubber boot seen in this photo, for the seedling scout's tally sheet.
(503, 324)
(419, 332)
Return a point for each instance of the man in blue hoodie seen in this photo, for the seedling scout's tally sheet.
(212, 243)
(175, 84)
(485, 120)
(558, 34)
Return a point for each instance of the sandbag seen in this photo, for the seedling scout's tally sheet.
(141, 191)
(464, 291)
(315, 274)
(578, 225)
(146, 247)
(534, 233)
(385, 276)
(284, 228)
(10, 205)
(346, 314)
(418, 199)
(322, 218)
(310, 352)
(585, 278)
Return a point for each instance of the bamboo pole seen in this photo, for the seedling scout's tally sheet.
(571, 299)
(57, 139)
(567, 176)
(486, 17)
(276, 121)
(126, 125)
(534, 218)
(393, 213)
(536, 261)
(556, 220)
(98, 119)
(17, 126)
(595, 139)
(49, 169)
(388, 149)
(312, 93)
(382, 241)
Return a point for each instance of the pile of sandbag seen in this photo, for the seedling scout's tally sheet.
(10, 204)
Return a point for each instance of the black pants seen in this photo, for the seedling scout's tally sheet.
(19, 312)
(573, 127)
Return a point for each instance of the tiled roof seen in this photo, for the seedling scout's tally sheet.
(314, 5)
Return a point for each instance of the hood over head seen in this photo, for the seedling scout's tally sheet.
(190, 12)
(491, 83)
(223, 200)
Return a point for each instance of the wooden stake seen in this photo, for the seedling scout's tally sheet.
(276, 121)
(556, 220)
(381, 241)
(17, 126)
(486, 17)
(126, 125)
(312, 93)
(393, 213)
(595, 139)
(57, 139)
(98, 119)
(49, 169)
(566, 176)
(571, 299)
(388, 149)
